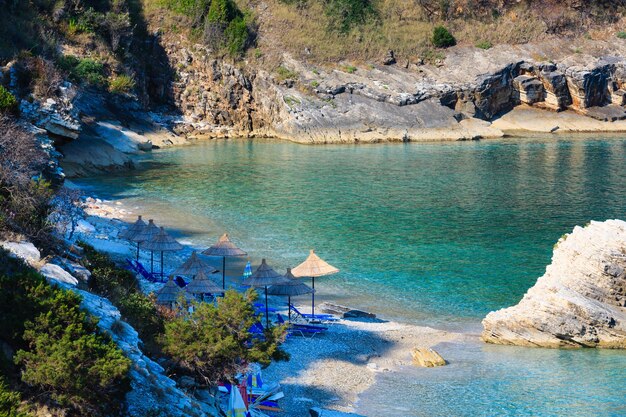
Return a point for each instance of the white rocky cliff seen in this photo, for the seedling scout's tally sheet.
(580, 301)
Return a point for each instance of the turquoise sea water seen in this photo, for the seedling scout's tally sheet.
(436, 234)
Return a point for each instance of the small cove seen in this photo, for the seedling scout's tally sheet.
(432, 234)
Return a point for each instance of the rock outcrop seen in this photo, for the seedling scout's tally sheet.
(581, 299)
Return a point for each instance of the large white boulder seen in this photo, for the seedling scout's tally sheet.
(23, 250)
(580, 301)
(56, 273)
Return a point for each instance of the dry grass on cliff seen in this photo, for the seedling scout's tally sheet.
(402, 26)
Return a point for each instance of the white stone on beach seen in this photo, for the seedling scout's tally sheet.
(580, 300)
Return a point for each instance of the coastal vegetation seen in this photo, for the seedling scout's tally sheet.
(60, 354)
(215, 342)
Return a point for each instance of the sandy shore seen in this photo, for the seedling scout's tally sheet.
(329, 370)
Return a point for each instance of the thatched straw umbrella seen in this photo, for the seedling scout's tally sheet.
(224, 248)
(313, 267)
(148, 232)
(134, 230)
(264, 276)
(202, 285)
(193, 266)
(162, 242)
(169, 293)
(291, 288)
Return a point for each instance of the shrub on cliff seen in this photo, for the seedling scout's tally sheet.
(215, 343)
(69, 358)
(442, 38)
(122, 84)
(345, 14)
(83, 70)
(61, 352)
(8, 102)
(10, 402)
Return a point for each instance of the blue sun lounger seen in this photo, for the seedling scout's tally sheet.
(323, 318)
(300, 329)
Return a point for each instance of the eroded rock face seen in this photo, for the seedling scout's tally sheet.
(579, 302)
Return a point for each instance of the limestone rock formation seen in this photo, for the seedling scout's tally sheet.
(427, 357)
(580, 301)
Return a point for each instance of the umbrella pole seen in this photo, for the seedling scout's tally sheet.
(267, 315)
(151, 262)
(223, 272)
(289, 308)
(138, 251)
(161, 264)
(313, 297)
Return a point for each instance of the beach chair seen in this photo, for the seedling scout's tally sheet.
(141, 270)
(316, 318)
(300, 329)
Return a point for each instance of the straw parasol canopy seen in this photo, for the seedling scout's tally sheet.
(264, 277)
(134, 230)
(169, 293)
(224, 248)
(148, 232)
(313, 267)
(162, 242)
(291, 288)
(202, 284)
(193, 266)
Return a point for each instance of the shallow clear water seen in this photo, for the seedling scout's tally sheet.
(438, 234)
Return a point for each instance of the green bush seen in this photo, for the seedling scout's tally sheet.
(222, 11)
(345, 14)
(10, 402)
(8, 102)
(442, 38)
(68, 357)
(61, 352)
(83, 70)
(122, 84)
(350, 69)
(484, 45)
(215, 342)
(621, 35)
(237, 36)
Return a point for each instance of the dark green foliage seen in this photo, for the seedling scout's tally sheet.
(83, 70)
(621, 35)
(442, 38)
(237, 36)
(222, 11)
(67, 356)
(214, 342)
(346, 14)
(8, 102)
(62, 354)
(10, 401)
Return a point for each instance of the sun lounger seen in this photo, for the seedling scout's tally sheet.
(301, 329)
(321, 318)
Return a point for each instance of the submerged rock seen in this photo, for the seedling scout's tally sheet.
(427, 357)
(580, 301)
